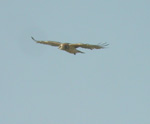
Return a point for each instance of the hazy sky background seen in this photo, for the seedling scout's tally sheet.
(40, 84)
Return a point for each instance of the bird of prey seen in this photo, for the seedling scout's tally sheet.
(71, 48)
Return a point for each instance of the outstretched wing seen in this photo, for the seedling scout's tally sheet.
(52, 43)
(89, 46)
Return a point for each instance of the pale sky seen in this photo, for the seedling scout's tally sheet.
(41, 84)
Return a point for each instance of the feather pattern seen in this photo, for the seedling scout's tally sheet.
(71, 48)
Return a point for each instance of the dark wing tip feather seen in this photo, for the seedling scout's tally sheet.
(33, 38)
(103, 45)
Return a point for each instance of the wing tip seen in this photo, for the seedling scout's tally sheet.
(103, 45)
(33, 38)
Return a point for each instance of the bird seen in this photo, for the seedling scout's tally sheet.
(71, 48)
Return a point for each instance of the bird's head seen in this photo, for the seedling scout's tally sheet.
(64, 46)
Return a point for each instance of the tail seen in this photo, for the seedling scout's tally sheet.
(79, 51)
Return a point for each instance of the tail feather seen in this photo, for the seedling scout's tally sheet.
(79, 51)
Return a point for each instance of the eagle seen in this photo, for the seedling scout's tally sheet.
(71, 48)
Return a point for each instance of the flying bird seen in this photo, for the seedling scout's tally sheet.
(71, 48)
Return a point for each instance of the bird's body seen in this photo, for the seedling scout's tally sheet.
(71, 48)
(68, 48)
